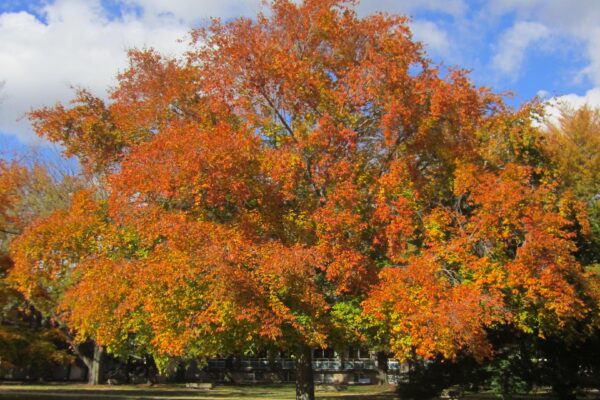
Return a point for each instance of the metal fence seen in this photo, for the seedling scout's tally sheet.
(319, 364)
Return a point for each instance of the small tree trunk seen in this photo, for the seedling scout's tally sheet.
(68, 372)
(382, 367)
(95, 369)
(305, 384)
(151, 371)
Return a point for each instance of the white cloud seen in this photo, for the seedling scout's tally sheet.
(514, 44)
(579, 20)
(77, 45)
(561, 14)
(455, 8)
(590, 98)
(434, 37)
(191, 11)
(194, 10)
(592, 71)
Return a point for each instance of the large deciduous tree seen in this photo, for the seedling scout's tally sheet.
(573, 145)
(288, 168)
(28, 342)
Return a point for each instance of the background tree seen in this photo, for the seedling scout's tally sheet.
(28, 342)
(47, 257)
(573, 145)
(543, 321)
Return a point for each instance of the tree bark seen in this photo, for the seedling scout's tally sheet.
(382, 367)
(151, 371)
(305, 383)
(93, 364)
(95, 369)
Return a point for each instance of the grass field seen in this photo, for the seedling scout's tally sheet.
(168, 392)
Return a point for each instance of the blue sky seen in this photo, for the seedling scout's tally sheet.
(528, 47)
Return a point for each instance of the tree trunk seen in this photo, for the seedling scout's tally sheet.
(305, 384)
(93, 364)
(95, 369)
(151, 371)
(382, 367)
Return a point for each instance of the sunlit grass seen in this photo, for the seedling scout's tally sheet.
(180, 392)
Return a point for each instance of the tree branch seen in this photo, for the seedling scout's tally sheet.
(287, 127)
(9, 231)
(279, 116)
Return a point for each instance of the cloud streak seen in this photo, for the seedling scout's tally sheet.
(76, 45)
(514, 44)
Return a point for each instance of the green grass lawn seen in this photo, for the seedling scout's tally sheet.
(179, 392)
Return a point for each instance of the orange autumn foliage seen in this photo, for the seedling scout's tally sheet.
(502, 254)
(292, 163)
(47, 254)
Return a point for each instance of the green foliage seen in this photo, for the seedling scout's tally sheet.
(427, 379)
(27, 342)
(510, 372)
(38, 351)
(521, 363)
